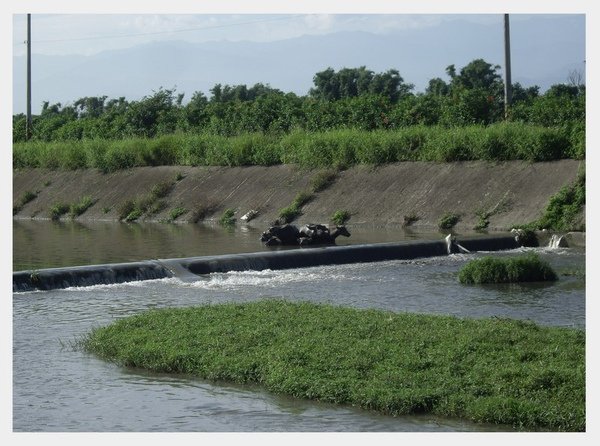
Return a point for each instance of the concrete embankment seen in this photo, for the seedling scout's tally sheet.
(509, 193)
(187, 268)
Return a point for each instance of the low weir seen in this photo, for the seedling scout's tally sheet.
(188, 268)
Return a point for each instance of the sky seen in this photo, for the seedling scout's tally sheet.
(87, 34)
(91, 29)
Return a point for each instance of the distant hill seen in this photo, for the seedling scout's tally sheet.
(544, 52)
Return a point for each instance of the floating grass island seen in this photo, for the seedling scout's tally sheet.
(526, 268)
(486, 370)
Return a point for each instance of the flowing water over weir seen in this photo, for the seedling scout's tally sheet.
(57, 387)
(52, 278)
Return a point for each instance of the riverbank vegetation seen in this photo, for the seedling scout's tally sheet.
(351, 116)
(525, 268)
(334, 148)
(565, 209)
(488, 370)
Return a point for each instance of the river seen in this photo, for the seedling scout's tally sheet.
(57, 387)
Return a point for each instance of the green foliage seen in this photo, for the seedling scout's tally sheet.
(352, 82)
(332, 149)
(84, 203)
(125, 209)
(486, 370)
(301, 199)
(148, 204)
(483, 220)
(227, 219)
(564, 209)
(135, 213)
(57, 210)
(323, 179)
(289, 214)
(161, 190)
(177, 212)
(23, 200)
(448, 220)
(243, 125)
(526, 268)
(294, 210)
(340, 217)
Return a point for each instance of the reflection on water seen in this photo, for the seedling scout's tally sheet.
(59, 388)
(48, 244)
(42, 244)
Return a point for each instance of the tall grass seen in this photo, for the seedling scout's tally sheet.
(486, 370)
(331, 149)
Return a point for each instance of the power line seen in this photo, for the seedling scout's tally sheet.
(200, 28)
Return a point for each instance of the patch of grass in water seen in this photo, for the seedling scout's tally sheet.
(525, 268)
(486, 370)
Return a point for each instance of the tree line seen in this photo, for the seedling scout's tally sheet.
(350, 98)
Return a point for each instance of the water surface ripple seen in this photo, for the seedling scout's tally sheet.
(57, 387)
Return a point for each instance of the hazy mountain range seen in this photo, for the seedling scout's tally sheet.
(543, 52)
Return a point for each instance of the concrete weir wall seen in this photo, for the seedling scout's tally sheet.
(54, 278)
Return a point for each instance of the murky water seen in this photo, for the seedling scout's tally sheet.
(59, 388)
(44, 244)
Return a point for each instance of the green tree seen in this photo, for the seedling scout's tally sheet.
(437, 87)
(476, 74)
(196, 113)
(153, 115)
(352, 82)
(89, 106)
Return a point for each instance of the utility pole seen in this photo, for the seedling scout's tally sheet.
(28, 123)
(507, 79)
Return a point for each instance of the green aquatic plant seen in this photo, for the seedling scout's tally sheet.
(485, 370)
(525, 268)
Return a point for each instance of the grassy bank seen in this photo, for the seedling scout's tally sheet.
(492, 370)
(335, 148)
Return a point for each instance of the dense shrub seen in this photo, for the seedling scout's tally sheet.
(448, 220)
